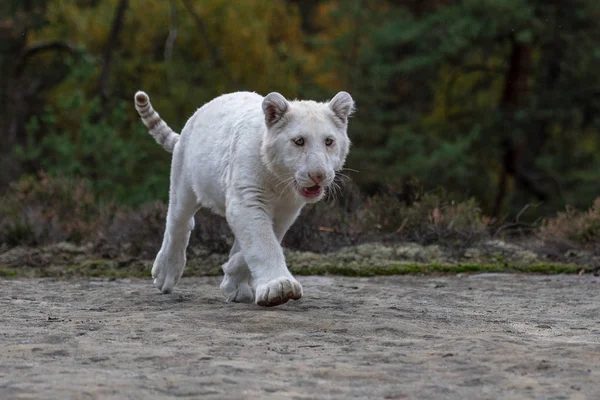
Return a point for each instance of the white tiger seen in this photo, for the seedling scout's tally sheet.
(257, 161)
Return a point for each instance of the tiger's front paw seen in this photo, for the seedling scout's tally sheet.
(278, 291)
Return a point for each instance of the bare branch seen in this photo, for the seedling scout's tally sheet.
(41, 47)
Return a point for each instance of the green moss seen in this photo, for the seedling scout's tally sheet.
(427, 269)
(99, 268)
(8, 273)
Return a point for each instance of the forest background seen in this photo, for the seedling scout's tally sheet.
(490, 104)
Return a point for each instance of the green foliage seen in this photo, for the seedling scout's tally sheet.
(77, 137)
(107, 151)
(435, 99)
(79, 133)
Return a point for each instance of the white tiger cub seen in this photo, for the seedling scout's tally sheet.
(257, 161)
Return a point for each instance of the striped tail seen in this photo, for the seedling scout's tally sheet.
(157, 128)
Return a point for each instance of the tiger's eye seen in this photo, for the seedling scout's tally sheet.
(299, 141)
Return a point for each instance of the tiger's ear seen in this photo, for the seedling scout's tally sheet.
(342, 106)
(274, 106)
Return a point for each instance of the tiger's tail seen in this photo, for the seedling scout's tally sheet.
(157, 128)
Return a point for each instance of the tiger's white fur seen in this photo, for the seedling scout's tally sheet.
(257, 161)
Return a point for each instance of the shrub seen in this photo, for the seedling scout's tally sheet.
(574, 228)
(403, 213)
(133, 232)
(45, 209)
(433, 217)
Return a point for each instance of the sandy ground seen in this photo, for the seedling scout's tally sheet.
(461, 337)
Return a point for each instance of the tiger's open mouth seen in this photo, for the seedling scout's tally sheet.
(311, 192)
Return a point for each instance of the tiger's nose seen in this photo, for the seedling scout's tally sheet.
(316, 177)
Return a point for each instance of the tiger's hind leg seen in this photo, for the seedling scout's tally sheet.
(170, 260)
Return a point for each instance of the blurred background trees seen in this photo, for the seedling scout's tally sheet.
(496, 99)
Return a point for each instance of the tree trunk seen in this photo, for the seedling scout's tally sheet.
(111, 44)
(12, 104)
(515, 83)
